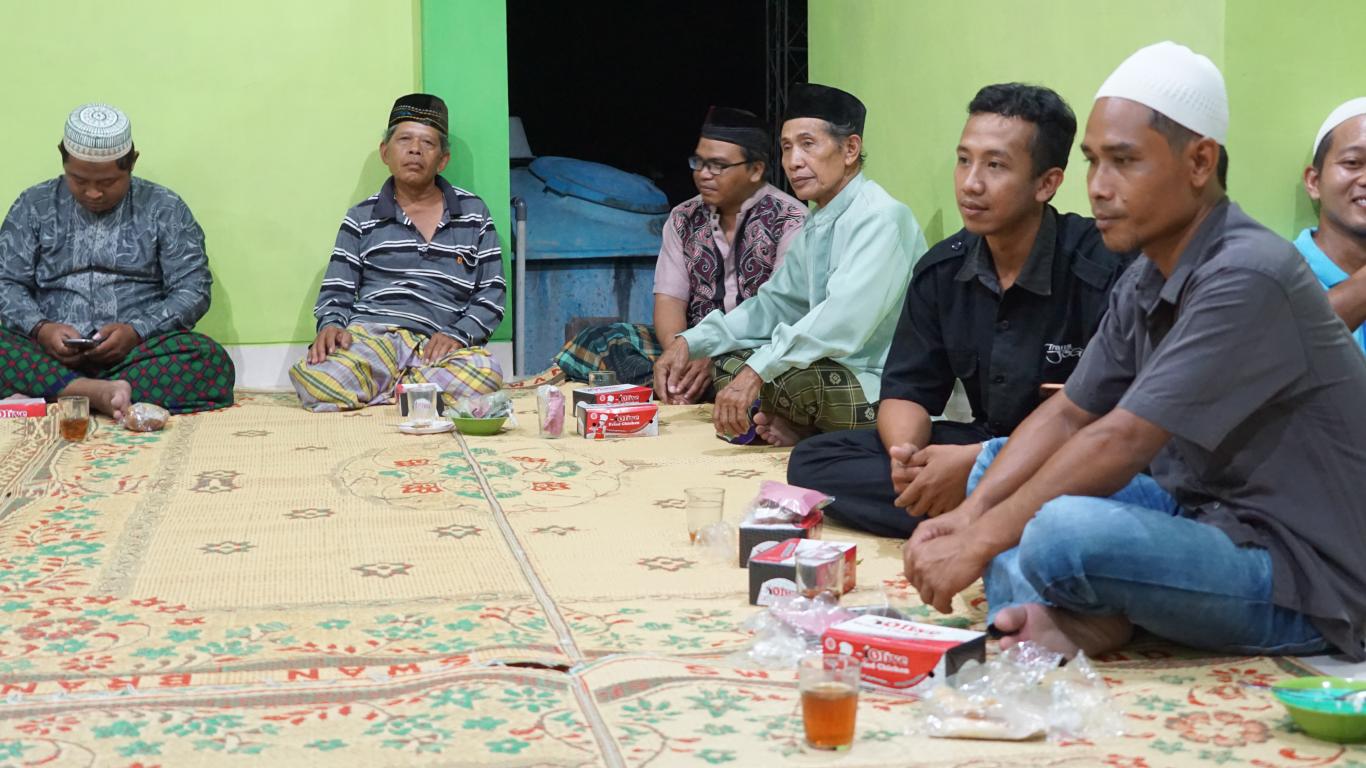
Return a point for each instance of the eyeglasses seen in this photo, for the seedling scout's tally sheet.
(714, 167)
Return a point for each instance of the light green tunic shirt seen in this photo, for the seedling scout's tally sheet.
(837, 295)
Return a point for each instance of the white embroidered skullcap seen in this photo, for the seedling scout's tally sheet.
(1176, 81)
(1346, 111)
(97, 133)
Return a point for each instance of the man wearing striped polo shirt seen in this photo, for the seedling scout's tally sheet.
(415, 285)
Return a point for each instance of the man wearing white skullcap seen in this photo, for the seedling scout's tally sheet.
(1222, 372)
(1336, 180)
(102, 275)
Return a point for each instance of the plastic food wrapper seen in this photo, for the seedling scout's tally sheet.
(550, 410)
(717, 541)
(782, 503)
(484, 406)
(789, 629)
(145, 417)
(1022, 694)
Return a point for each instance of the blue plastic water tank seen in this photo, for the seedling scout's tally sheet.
(593, 235)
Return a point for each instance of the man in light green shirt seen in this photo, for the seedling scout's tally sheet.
(805, 355)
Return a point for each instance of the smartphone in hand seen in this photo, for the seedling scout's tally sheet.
(81, 343)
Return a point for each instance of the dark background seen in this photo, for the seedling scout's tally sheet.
(628, 83)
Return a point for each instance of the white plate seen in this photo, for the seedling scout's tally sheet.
(435, 428)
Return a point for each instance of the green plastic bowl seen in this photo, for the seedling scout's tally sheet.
(1312, 707)
(479, 426)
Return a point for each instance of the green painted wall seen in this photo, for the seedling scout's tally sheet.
(917, 64)
(265, 116)
(464, 61)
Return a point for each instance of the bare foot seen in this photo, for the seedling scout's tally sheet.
(776, 430)
(112, 398)
(1062, 631)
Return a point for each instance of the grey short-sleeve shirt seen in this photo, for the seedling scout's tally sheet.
(1240, 357)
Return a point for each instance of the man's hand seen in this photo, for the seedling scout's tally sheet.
(903, 472)
(942, 559)
(669, 370)
(438, 346)
(330, 338)
(731, 415)
(940, 484)
(695, 380)
(116, 341)
(50, 337)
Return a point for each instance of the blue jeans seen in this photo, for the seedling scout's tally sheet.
(1134, 554)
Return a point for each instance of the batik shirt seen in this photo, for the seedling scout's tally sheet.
(383, 272)
(697, 265)
(142, 263)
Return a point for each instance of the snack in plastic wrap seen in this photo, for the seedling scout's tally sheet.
(1023, 694)
(782, 503)
(550, 410)
(145, 417)
(484, 406)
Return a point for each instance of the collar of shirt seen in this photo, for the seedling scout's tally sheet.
(826, 215)
(386, 207)
(751, 201)
(1325, 269)
(1037, 275)
(1153, 289)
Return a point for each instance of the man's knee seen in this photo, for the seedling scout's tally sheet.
(1063, 542)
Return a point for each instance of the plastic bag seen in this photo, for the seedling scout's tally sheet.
(1022, 694)
(484, 406)
(550, 410)
(782, 503)
(790, 629)
(145, 417)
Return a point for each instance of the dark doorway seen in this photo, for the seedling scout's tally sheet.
(627, 82)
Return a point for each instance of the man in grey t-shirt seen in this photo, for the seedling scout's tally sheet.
(1221, 368)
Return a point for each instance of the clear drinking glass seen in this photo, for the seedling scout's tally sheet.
(74, 417)
(829, 687)
(705, 506)
(820, 569)
(602, 378)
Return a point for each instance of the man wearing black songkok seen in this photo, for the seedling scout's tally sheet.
(808, 350)
(718, 248)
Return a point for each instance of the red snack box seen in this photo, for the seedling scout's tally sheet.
(615, 394)
(754, 534)
(598, 422)
(899, 654)
(773, 569)
(22, 407)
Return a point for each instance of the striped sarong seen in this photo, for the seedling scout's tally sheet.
(824, 395)
(380, 358)
(627, 349)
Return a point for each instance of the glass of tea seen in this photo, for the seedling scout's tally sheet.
(74, 415)
(704, 508)
(829, 688)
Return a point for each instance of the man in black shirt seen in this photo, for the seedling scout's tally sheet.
(1005, 305)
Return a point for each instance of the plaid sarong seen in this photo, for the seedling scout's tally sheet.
(182, 371)
(825, 395)
(629, 349)
(382, 356)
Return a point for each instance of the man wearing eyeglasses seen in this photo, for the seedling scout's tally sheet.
(805, 355)
(718, 248)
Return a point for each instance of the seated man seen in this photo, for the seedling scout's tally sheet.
(808, 349)
(1221, 368)
(719, 247)
(1336, 248)
(102, 276)
(1005, 305)
(415, 284)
